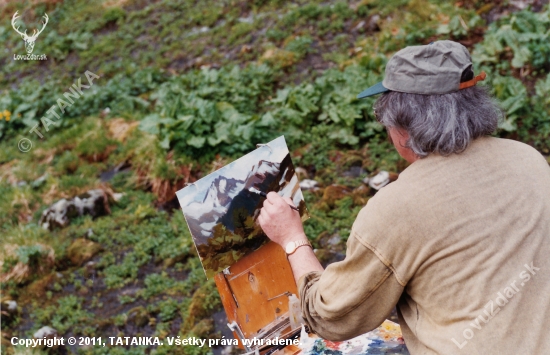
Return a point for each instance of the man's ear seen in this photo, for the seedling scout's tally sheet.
(399, 137)
(389, 135)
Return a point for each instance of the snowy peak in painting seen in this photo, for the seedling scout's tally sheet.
(221, 195)
(221, 211)
(260, 173)
(221, 191)
(264, 168)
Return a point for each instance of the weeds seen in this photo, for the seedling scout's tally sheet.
(180, 96)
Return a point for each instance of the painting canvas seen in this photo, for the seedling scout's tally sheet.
(221, 209)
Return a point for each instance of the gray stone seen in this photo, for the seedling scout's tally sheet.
(8, 312)
(94, 203)
(45, 332)
(12, 305)
(354, 171)
(228, 350)
(39, 182)
(360, 25)
(372, 24)
(308, 184)
(334, 240)
(379, 180)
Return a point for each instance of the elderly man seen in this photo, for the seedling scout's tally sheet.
(460, 243)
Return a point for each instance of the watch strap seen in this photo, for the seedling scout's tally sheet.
(292, 246)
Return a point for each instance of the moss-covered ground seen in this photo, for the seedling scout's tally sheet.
(184, 88)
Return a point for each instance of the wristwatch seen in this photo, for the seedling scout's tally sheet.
(292, 246)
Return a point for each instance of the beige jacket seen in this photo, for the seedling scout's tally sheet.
(461, 245)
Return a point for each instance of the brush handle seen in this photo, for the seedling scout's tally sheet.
(265, 195)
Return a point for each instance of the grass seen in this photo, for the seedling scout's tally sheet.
(182, 95)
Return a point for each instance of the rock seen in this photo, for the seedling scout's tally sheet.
(246, 49)
(308, 184)
(120, 168)
(8, 312)
(8, 308)
(131, 291)
(82, 250)
(138, 316)
(331, 248)
(354, 171)
(12, 305)
(228, 350)
(45, 332)
(327, 257)
(94, 203)
(521, 4)
(332, 242)
(359, 25)
(372, 24)
(379, 180)
(118, 196)
(39, 182)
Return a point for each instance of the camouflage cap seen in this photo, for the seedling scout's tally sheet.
(431, 69)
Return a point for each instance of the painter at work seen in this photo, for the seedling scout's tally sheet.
(221, 209)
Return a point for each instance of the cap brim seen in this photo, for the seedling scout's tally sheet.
(373, 90)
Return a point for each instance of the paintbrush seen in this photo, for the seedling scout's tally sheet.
(261, 193)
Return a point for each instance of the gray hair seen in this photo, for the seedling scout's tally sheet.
(442, 124)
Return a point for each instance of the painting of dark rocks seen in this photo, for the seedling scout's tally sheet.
(221, 210)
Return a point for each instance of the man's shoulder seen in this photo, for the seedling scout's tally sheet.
(504, 145)
(500, 153)
(391, 206)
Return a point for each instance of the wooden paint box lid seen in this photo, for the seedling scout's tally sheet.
(255, 294)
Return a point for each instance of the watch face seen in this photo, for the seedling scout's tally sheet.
(290, 247)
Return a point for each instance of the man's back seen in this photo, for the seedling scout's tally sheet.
(469, 237)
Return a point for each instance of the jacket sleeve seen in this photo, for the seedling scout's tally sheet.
(350, 297)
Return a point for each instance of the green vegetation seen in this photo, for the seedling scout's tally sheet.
(185, 87)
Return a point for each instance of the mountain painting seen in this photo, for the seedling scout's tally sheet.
(221, 209)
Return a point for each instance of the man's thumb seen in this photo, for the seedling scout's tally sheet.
(289, 201)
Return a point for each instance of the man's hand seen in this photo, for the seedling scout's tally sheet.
(281, 223)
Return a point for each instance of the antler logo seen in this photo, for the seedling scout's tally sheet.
(29, 40)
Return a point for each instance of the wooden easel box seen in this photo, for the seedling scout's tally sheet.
(254, 293)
